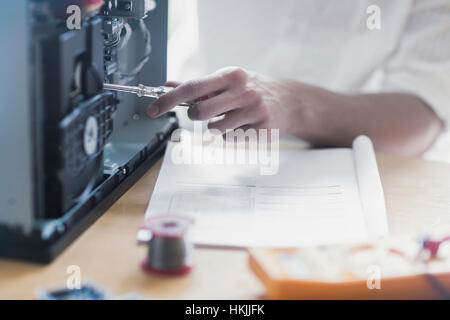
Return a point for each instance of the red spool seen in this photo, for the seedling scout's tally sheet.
(168, 247)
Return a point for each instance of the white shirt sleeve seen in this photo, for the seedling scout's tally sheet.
(421, 61)
(421, 65)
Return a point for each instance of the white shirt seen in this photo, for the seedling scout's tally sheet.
(328, 43)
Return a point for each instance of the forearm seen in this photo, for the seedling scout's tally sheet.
(396, 122)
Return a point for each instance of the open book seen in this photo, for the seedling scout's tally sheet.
(323, 196)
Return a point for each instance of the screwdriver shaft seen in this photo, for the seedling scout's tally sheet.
(142, 91)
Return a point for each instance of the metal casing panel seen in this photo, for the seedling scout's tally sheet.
(16, 196)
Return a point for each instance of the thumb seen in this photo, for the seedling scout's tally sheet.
(173, 84)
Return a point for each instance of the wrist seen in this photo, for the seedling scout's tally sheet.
(304, 111)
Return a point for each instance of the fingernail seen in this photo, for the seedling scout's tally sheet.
(153, 111)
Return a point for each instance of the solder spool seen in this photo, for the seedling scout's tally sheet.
(169, 249)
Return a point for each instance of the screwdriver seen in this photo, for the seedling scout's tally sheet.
(143, 91)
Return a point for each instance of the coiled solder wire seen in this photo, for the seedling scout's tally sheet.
(168, 253)
(169, 249)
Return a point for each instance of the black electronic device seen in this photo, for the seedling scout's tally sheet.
(78, 147)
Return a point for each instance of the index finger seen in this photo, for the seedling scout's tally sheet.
(189, 91)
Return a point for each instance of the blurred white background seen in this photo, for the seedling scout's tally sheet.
(183, 35)
(184, 60)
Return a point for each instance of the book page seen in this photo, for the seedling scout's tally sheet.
(370, 188)
(313, 199)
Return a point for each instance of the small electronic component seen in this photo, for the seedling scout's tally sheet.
(127, 8)
(87, 291)
(431, 246)
(143, 91)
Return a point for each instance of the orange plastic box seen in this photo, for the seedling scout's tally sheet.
(395, 268)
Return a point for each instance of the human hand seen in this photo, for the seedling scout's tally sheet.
(396, 122)
(244, 98)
